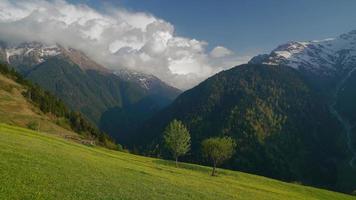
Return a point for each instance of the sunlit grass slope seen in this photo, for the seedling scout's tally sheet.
(16, 110)
(41, 166)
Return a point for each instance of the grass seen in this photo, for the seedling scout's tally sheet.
(42, 166)
(16, 110)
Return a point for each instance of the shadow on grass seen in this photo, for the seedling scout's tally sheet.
(192, 167)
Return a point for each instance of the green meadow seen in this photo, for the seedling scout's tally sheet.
(41, 166)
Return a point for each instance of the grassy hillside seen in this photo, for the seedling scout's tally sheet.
(27, 105)
(16, 110)
(42, 166)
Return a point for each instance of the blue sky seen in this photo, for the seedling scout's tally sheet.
(247, 26)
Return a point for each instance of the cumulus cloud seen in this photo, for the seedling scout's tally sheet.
(220, 51)
(116, 39)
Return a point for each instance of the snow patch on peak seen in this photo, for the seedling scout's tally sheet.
(325, 57)
(12, 52)
(34, 51)
(146, 81)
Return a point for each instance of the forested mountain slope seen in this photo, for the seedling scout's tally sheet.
(283, 127)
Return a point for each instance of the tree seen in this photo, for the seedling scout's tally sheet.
(218, 150)
(177, 139)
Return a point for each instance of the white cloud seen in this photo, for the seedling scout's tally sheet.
(116, 39)
(220, 51)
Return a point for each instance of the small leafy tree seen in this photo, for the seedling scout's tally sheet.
(177, 139)
(218, 150)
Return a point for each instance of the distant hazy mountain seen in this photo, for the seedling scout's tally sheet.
(102, 95)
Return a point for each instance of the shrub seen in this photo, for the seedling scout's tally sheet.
(33, 125)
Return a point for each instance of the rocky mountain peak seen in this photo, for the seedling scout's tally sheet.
(329, 57)
(33, 53)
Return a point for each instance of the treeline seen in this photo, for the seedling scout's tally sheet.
(49, 103)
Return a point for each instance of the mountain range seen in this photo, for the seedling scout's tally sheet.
(291, 112)
(104, 96)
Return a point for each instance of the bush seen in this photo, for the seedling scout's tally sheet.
(119, 147)
(33, 125)
(353, 193)
(63, 122)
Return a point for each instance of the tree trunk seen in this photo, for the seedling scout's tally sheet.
(214, 169)
(177, 161)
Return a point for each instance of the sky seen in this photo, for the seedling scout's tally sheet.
(181, 42)
(248, 26)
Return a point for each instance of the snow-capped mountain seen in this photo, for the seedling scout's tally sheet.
(144, 80)
(330, 65)
(148, 82)
(35, 50)
(27, 55)
(329, 58)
